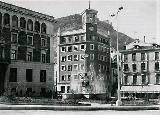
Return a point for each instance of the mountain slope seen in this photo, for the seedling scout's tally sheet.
(75, 22)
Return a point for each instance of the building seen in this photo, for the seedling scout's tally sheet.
(140, 70)
(26, 65)
(83, 58)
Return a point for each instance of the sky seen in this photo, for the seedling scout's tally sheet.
(138, 18)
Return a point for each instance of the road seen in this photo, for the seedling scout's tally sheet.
(107, 112)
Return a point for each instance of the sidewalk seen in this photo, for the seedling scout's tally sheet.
(93, 107)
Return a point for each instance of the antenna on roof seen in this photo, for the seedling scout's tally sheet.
(89, 4)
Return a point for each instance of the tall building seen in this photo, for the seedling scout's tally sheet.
(83, 58)
(141, 70)
(26, 65)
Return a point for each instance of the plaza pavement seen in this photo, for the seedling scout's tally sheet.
(93, 107)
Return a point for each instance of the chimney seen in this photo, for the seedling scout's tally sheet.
(144, 39)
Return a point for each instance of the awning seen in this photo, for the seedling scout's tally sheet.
(141, 89)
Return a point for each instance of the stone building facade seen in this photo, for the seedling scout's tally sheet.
(83, 63)
(26, 59)
(141, 70)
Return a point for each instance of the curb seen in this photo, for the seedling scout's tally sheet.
(79, 108)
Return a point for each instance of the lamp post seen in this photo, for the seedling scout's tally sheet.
(118, 102)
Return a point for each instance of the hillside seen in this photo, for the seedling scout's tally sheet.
(74, 22)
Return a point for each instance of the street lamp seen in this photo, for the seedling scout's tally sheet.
(118, 102)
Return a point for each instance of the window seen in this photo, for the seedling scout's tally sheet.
(30, 25)
(68, 89)
(157, 66)
(69, 48)
(63, 77)
(63, 40)
(143, 79)
(156, 55)
(134, 67)
(82, 66)
(82, 47)
(63, 68)
(62, 89)
(22, 23)
(143, 66)
(126, 67)
(63, 49)
(82, 38)
(134, 57)
(75, 47)
(134, 79)
(43, 28)
(76, 76)
(143, 56)
(43, 42)
(125, 57)
(6, 19)
(63, 58)
(42, 75)
(14, 38)
(69, 39)
(30, 40)
(29, 56)
(125, 80)
(43, 58)
(13, 75)
(29, 75)
(14, 21)
(69, 78)
(91, 56)
(70, 58)
(101, 58)
(99, 66)
(157, 78)
(76, 38)
(37, 26)
(13, 54)
(75, 57)
(75, 66)
(91, 46)
(69, 67)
